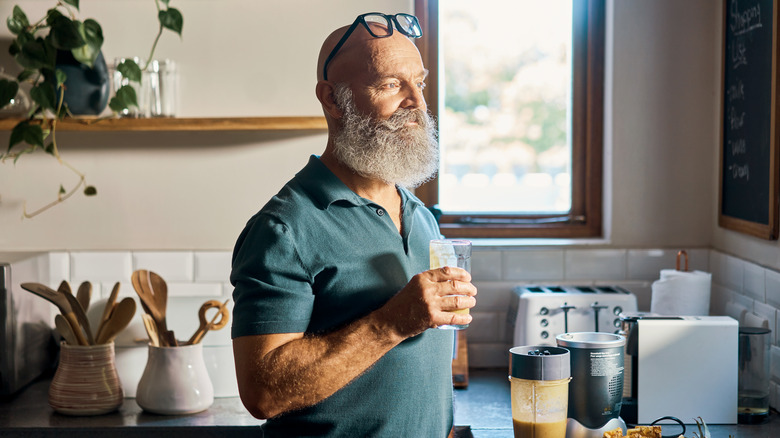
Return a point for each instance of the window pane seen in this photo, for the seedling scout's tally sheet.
(506, 71)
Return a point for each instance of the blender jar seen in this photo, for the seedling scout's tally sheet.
(540, 390)
(754, 374)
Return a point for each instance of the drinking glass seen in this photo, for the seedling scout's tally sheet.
(455, 253)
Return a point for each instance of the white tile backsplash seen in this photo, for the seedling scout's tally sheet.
(486, 265)
(194, 289)
(533, 265)
(772, 282)
(58, 267)
(646, 264)
(170, 265)
(754, 281)
(733, 274)
(596, 264)
(100, 266)
(213, 266)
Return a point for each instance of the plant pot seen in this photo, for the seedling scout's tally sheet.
(86, 89)
(175, 381)
(86, 381)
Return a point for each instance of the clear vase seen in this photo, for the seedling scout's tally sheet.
(175, 381)
(86, 381)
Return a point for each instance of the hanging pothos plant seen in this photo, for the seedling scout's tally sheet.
(35, 48)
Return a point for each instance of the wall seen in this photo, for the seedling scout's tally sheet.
(194, 191)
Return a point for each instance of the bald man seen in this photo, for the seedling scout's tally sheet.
(335, 308)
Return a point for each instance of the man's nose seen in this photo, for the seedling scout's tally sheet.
(414, 99)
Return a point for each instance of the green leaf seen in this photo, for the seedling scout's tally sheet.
(44, 95)
(171, 19)
(90, 191)
(24, 132)
(74, 3)
(65, 33)
(8, 90)
(35, 55)
(61, 78)
(130, 70)
(49, 149)
(91, 32)
(124, 98)
(17, 22)
(165, 2)
(24, 75)
(62, 190)
(51, 15)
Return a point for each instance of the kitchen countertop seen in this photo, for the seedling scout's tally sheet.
(485, 407)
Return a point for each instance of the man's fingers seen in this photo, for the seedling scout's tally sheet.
(450, 273)
(450, 303)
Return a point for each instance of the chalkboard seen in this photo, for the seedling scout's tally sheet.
(749, 171)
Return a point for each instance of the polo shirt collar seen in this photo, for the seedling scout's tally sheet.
(326, 188)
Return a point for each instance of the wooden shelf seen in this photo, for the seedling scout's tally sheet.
(185, 124)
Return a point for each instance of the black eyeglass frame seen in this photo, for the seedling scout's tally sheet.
(361, 19)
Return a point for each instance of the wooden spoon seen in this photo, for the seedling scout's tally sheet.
(84, 295)
(59, 300)
(160, 290)
(118, 320)
(154, 302)
(151, 329)
(81, 316)
(65, 330)
(108, 309)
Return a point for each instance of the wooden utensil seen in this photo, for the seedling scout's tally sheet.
(59, 300)
(65, 330)
(81, 316)
(119, 319)
(108, 309)
(213, 324)
(154, 302)
(160, 289)
(84, 295)
(151, 329)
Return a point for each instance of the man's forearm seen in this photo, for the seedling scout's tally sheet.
(308, 369)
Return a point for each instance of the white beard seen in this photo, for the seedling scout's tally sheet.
(388, 150)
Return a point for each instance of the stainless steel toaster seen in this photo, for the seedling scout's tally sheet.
(28, 346)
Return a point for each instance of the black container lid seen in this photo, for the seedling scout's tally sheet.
(743, 330)
(540, 362)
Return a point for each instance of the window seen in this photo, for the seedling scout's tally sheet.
(517, 87)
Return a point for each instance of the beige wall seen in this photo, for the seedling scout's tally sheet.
(242, 57)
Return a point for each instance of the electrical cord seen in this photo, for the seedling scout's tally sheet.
(676, 420)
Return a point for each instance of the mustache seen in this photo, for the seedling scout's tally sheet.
(402, 116)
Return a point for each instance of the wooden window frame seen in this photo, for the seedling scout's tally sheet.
(585, 217)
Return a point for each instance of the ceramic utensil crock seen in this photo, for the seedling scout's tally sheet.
(175, 381)
(86, 381)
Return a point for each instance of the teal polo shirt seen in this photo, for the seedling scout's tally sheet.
(318, 256)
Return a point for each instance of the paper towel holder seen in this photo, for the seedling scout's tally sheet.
(682, 252)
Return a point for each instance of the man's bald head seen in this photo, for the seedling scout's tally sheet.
(359, 49)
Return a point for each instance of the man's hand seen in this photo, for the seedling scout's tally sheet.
(428, 301)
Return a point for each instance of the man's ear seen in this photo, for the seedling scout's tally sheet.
(327, 97)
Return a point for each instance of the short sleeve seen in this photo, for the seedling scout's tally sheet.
(272, 289)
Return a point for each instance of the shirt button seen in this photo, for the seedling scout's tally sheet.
(380, 212)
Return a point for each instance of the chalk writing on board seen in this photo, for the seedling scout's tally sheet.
(742, 22)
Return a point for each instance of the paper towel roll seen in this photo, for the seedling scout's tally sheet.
(681, 293)
(753, 320)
